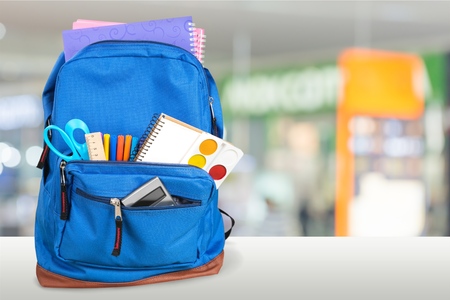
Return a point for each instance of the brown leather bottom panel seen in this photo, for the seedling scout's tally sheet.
(50, 279)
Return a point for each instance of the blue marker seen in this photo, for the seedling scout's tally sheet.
(112, 147)
(134, 143)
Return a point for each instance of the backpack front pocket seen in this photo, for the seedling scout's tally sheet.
(145, 237)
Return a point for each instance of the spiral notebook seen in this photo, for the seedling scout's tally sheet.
(176, 31)
(168, 140)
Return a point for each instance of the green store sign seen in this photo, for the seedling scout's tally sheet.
(306, 90)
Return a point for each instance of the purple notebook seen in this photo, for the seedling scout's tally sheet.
(175, 31)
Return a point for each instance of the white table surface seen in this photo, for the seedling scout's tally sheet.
(271, 268)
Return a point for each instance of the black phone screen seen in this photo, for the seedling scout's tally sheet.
(152, 197)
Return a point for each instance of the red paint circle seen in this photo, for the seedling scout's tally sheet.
(218, 172)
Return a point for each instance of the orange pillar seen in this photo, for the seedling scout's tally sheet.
(377, 84)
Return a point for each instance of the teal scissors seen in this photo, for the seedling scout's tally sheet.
(79, 150)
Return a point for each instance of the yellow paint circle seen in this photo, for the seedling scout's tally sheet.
(208, 147)
(197, 160)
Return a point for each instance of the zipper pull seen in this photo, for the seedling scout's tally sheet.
(117, 210)
(64, 200)
(118, 220)
(214, 122)
(43, 157)
(44, 153)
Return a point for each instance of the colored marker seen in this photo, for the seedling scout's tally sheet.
(112, 147)
(127, 148)
(120, 147)
(106, 142)
(134, 144)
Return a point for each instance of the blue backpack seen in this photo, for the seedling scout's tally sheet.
(117, 87)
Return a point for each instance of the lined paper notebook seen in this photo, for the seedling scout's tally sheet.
(169, 140)
(176, 31)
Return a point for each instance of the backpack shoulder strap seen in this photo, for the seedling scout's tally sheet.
(49, 89)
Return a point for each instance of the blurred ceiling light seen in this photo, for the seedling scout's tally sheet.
(32, 155)
(10, 157)
(2, 31)
(3, 146)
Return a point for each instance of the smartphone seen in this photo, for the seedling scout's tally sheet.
(151, 193)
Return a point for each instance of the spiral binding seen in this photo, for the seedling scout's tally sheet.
(198, 40)
(148, 137)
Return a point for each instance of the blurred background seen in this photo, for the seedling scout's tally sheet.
(316, 163)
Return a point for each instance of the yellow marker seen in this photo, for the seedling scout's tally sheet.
(106, 137)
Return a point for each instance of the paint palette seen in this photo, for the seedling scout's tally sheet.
(213, 155)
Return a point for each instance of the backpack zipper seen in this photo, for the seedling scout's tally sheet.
(118, 220)
(64, 215)
(213, 117)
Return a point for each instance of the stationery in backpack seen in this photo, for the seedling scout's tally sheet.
(179, 31)
(169, 140)
(198, 38)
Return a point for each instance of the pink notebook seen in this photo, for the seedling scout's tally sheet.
(81, 23)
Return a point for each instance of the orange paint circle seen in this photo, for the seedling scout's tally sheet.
(208, 147)
(197, 160)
